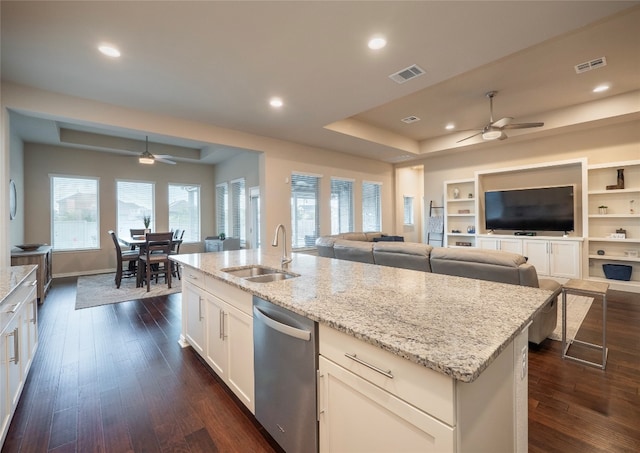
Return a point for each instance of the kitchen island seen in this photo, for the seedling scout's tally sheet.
(459, 345)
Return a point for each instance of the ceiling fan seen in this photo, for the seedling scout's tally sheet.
(495, 129)
(147, 158)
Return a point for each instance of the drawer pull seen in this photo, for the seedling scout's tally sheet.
(355, 358)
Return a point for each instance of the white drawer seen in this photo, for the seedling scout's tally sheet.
(426, 389)
(193, 276)
(239, 299)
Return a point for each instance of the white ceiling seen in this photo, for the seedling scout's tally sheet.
(220, 62)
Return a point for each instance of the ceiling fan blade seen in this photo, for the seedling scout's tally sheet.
(164, 160)
(522, 125)
(502, 122)
(470, 136)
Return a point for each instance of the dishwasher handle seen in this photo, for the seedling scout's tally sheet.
(291, 331)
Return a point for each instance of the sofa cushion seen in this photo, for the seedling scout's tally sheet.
(407, 255)
(491, 265)
(362, 252)
(324, 244)
(353, 236)
(385, 238)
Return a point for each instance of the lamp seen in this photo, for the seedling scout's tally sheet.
(146, 157)
(492, 134)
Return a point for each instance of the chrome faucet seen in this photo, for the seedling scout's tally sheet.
(285, 259)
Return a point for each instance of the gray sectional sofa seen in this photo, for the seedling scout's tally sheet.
(492, 265)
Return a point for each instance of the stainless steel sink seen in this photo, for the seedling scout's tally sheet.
(266, 278)
(250, 271)
(259, 274)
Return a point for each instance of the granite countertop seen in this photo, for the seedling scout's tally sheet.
(11, 278)
(456, 326)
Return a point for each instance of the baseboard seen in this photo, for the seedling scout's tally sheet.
(79, 274)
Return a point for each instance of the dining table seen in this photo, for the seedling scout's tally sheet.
(139, 241)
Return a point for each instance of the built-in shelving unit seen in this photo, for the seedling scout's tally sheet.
(622, 213)
(460, 213)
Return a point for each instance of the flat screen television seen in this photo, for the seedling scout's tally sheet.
(534, 209)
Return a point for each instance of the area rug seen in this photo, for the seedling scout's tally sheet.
(95, 290)
(577, 309)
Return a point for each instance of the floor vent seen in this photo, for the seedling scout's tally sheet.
(407, 74)
(410, 119)
(589, 65)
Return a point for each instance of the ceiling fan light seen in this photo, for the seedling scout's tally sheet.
(491, 135)
(146, 160)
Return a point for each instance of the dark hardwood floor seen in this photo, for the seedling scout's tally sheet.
(114, 379)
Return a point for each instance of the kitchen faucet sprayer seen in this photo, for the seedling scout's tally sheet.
(285, 259)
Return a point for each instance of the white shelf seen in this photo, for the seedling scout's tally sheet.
(621, 241)
(613, 191)
(469, 235)
(457, 200)
(615, 258)
(614, 216)
(468, 214)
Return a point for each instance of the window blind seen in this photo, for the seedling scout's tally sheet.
(341, 205)
(371, 206)
(184, 210)
(304, 210)
(74, 213)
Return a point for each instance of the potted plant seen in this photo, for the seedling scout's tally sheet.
(602, 209)
(146, 219)
(221, 236)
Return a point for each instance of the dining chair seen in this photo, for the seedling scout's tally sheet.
(175, 250)
(128, 256)
(154, 260)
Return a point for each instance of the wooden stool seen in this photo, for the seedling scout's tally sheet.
(585, 288)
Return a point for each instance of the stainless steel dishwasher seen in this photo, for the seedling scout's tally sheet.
(285, 360)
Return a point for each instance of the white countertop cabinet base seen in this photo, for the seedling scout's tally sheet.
(218, 324)
(362, 410)
(18, 344)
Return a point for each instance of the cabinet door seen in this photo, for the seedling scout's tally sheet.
(11, 340)
(192, 297)
(29, 339)
(238, 333)
(564, 259)
(488, 243)
(216, 353)
(6, 346)
(511, 245)
(357, 416)
(537, 253)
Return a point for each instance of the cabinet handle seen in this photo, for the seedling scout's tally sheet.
(16, 346)
(33, 283)
(355, 358)
(200, 308)
(221, 324)
(13, 308)
(35, 312)
(319, 410)
(224, 333)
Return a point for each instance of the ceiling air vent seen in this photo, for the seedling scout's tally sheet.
(410, 119)
(589, 65)
(407, 74)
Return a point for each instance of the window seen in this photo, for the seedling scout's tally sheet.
(408, 210)
(341, 205)
(135, 201)
(184, 210)
(222, 206)
(304, 210)
(238, 210)
(254, 196)
(74, 213)
(371, 206)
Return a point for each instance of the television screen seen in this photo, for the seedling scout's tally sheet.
(536, 209)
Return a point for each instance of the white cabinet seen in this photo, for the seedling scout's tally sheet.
(218, 324)
(504, 244)
(18, 343)
(557, 258)
(560, 259)
(459, 217)
(193, 300)
(622, 212)
(370, 400)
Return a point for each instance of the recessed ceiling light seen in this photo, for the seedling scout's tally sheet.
(276, 102)
(450, 126)
(109, 51)
(600, 88)
(377, 42)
